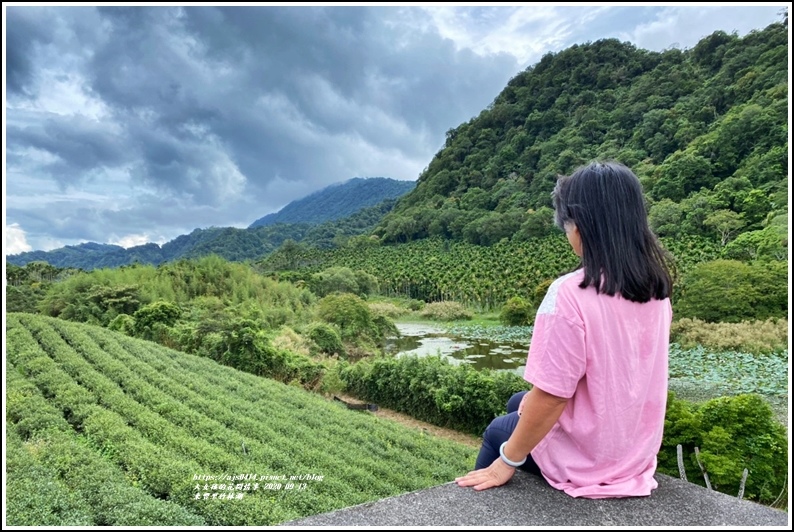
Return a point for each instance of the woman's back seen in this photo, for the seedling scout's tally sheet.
(609, 356)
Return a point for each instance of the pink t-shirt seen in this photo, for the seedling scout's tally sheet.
(609, 356)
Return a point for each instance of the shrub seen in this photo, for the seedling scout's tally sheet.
(732, 433)
(350, 313)
(151, 319)
(123, 323)
(332, 382)
(343, 279)
(247, 347)
(540, 292)
(389, 310)
(415, 304)
(434, 390)
(446, 311)
(327, 338)
(516, 312)
(367, 283)
(732, 291)
(749, 336)
(386, 328)
(290, 340)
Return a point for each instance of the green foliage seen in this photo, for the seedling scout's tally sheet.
(665, 218)
(540, 292)
(348, 312)
(732, 291)
(725, 223)
(34, 495)
(357, 324)
(684, 120)
(732, 433)
(336, 279)
(367, 283)
(415, 304)
(483, 278)
(326, 337)
(151, 319)
(25, 298)
(539, 224)
(517, 311)
(343, 279)
(385, 326)
(446, 311)
(101, 295)
(433, 390)
(390, 310)
(493, 333)
(138, 421)
(769, 243)
(80, 298)
(123, 323)
(248, 347)
(770, 336)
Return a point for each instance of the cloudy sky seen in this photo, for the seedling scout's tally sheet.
(129, 125)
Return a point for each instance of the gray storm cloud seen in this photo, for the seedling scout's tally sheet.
(158, 120)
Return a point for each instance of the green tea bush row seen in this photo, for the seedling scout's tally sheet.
(34, 494)
(335, 431)
(434, 390)
(153, 468)
(162, 471)
(189, 427)
(122, 401)
(78, 484)
(216, 434)
(258, 425)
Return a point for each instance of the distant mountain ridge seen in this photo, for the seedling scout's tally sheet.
(323, 222)
(338, 201)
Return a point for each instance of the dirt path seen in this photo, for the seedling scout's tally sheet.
(408, 421)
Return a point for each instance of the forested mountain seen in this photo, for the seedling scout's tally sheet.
(338, 201)
(239, 244)
(228, 242)
(705, 129)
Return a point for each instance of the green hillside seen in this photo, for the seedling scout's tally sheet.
(705, 129)
(103, 429)
(338, 201)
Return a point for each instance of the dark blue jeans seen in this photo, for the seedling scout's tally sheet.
(498, 432)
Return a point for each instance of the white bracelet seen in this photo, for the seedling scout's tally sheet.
(507, 460)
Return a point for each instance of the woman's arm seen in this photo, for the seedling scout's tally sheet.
(540, 412)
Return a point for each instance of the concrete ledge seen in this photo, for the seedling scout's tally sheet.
(528, 501)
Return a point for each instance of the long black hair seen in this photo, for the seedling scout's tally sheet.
(620, 253)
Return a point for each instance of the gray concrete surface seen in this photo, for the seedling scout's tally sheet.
(528, 501)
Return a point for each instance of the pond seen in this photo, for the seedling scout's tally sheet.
(427, 339)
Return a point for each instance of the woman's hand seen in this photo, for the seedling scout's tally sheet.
(496, 474)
